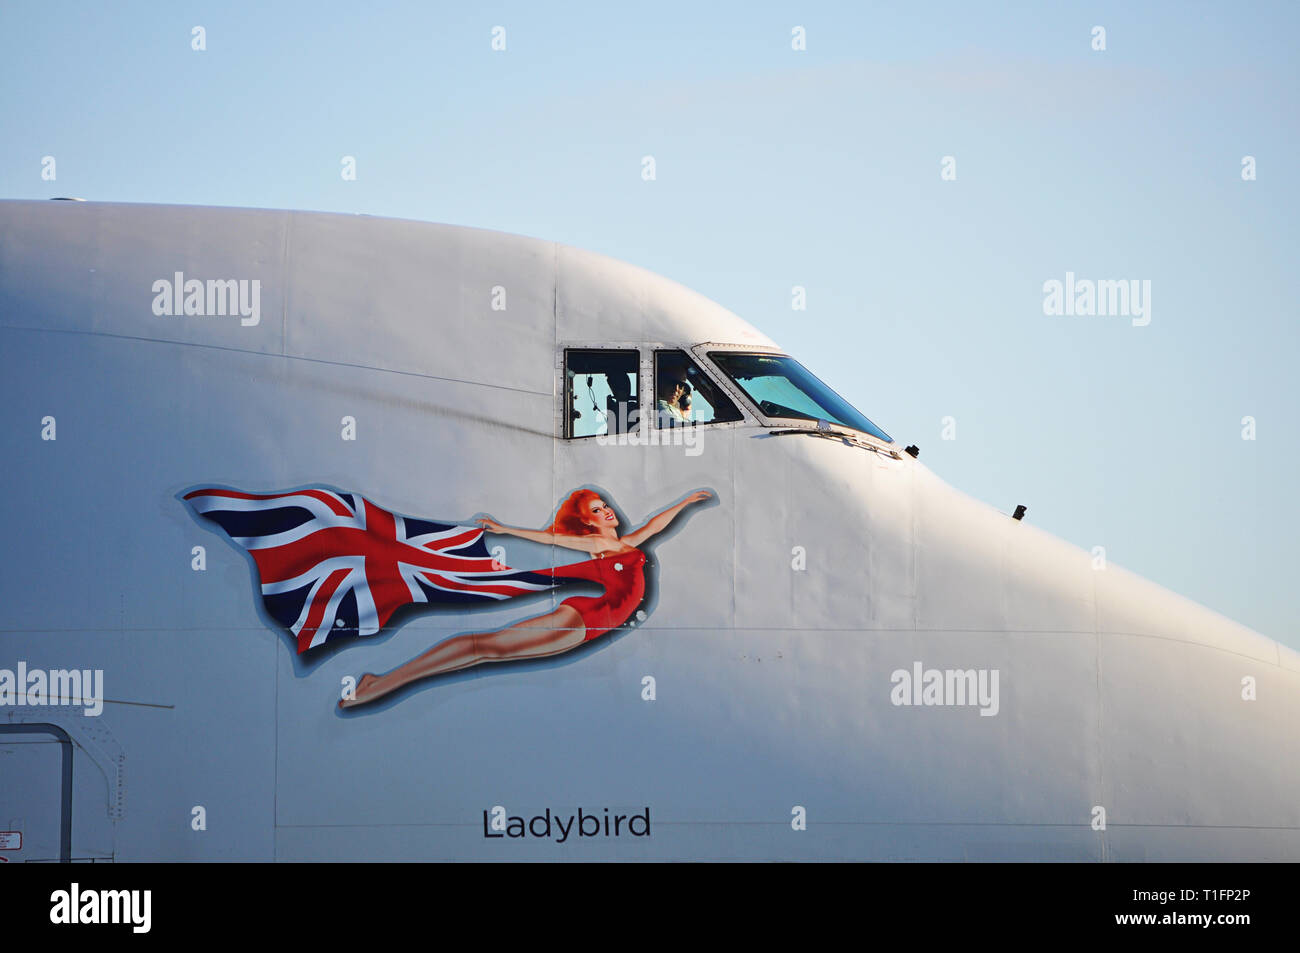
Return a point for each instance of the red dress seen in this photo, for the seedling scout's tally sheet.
(622, 575)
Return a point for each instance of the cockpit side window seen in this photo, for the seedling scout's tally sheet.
(684, 394)
(600, 391)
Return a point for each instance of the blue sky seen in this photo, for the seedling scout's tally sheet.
(818, 168)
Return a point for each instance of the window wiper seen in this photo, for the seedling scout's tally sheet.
(824, 429)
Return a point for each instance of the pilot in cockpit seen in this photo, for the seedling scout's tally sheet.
(672, 388)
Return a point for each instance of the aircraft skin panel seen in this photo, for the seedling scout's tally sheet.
(1173, 759)
(30, 770)
(778, 616)
(76, 266)
(1127, 603)
(460, 293)
(198, 733)
(430, 286)
(779, 732)
(600, 299)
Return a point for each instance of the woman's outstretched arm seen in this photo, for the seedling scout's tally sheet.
(659, 522)
(586, 544)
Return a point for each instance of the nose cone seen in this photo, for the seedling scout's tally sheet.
(1190, 717)
(1197, 728)
(1118, 702)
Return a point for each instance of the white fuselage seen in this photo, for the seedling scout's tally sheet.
(841, 657)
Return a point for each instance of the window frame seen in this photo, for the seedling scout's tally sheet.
(711, 372)
(564, 423)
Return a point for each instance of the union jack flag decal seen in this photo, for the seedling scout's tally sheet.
(335, 565)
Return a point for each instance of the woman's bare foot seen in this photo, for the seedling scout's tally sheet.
(366, 691)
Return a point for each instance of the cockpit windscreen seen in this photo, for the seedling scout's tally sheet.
(782, 387)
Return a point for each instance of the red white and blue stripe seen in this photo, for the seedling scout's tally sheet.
(334, 564)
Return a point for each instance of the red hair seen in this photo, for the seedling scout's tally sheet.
(573, 517)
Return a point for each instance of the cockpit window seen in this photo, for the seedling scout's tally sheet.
(601, 392)
(684, 394)
(782, 387)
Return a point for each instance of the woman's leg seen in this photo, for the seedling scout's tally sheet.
(543, 635)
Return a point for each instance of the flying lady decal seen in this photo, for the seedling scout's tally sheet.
(333, 565)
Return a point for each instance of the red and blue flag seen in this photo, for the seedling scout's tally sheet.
(333, 564)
